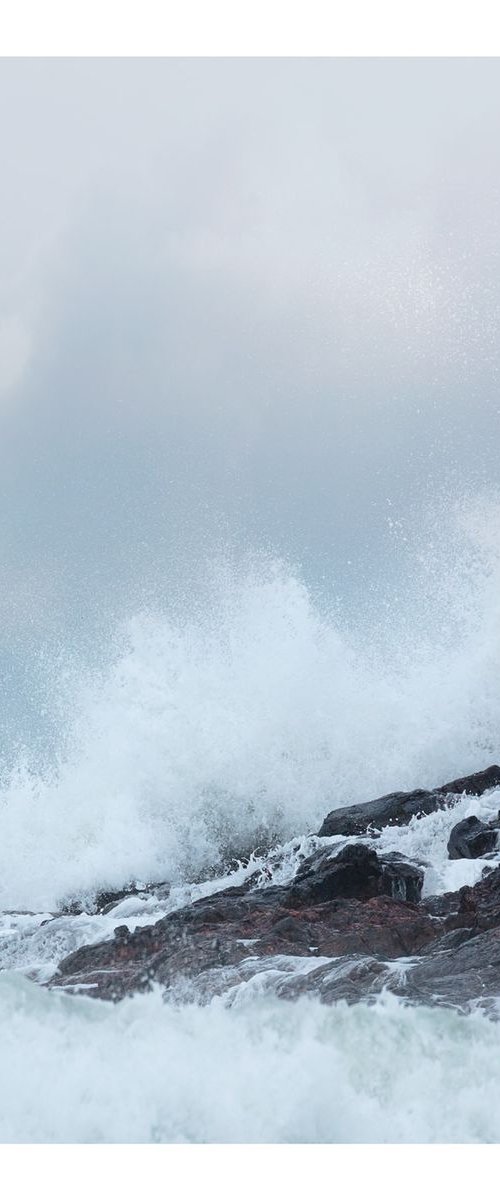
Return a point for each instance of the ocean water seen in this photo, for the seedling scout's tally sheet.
(230, 726)
(76, 1070)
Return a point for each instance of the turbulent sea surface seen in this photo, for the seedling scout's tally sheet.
(231, 728)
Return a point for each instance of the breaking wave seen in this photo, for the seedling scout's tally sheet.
(241, 719)
(271, 1071)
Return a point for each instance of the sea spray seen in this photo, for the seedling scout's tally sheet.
(74, 1070)
(243, 720)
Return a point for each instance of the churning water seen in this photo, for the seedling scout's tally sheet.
(232, 724)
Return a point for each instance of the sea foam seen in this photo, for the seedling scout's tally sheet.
(243, 719)
(75, 1070)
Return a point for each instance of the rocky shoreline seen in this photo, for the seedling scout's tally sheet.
(351, 922)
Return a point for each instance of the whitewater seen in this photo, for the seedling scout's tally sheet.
(213, 740)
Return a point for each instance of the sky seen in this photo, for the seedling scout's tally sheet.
(245, 305)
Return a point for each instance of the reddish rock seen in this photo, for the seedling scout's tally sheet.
(336, 906)
(359, 910)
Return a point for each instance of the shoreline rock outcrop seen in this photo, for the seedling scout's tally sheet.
(399, 808)
(359, 911)
(472, 838)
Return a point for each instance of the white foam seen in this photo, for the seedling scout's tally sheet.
(251, 716)
(76, 1070)
(426, 839)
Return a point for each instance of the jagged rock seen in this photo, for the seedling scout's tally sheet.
(459, 975)
(457, 971)
(479, 906)
(472, 838)
(353, 902)
(473, 785)
(358, 909)
(101, 902)
(398, 808)
(104, 902)
(356, 872)
(402, 879)
(209, 936)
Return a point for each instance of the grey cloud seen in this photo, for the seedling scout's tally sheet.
(253, 301)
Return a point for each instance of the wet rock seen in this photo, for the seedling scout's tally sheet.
(473, 909)
(350, 903)
(472, 838)
(479, 906)
(356, 872)
(359, 910)
(398, 808)
(121, 933)
(104, 902)
(458, 971)
(462, 976)
(473, 785)
(402, 879)
(191, 941)
(444, 905)
(435, 951)
(101, 902)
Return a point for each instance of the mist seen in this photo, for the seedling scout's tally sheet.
(247, 307)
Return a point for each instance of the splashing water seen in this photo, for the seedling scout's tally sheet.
(243, 720)
(271, 1071)
(232, 723)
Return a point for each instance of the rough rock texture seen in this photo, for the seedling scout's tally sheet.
(363, 929)
(358, 912)
(473, 785)
(358, 872)
(450, 959)
(472, 838)
(398, 808)
(104, 902)
(228, 928)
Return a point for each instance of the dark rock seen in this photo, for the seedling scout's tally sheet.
(360, 910)
(443, 947)
(479, 906)
(351, 903)
(122, 933)
(460, 967)
(473, 909)
(443, 905)
(355, 872)
(104, 902)
(402, 879)
(472, 838)
(460, 975)
(291, 929)
(458, 971)
(101, 902)
(473, 785)
(188, 942)
(398, 808)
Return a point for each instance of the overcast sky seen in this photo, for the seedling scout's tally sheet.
(251, 303)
